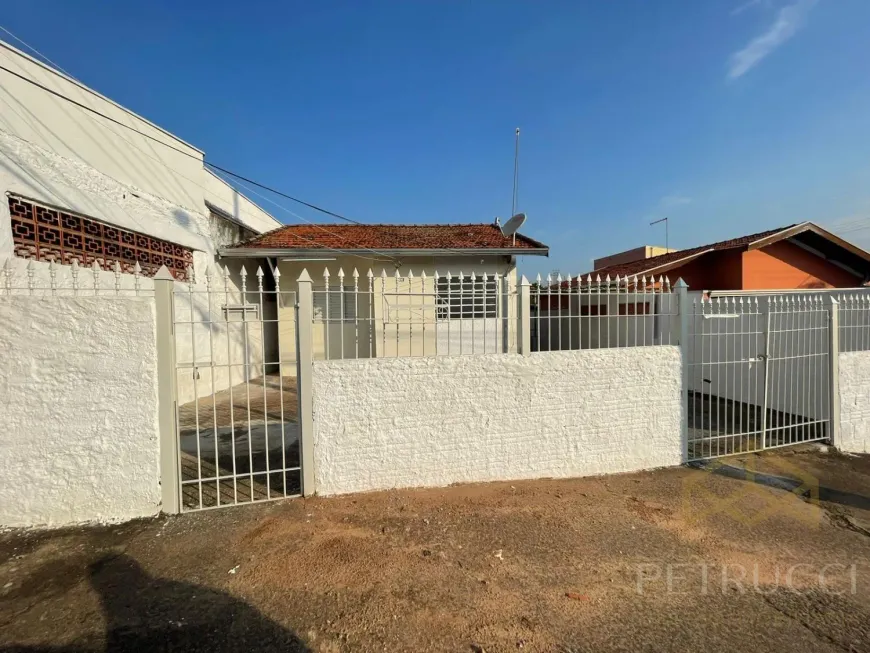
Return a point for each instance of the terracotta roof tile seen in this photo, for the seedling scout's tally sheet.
(389, 236)
(643, 265)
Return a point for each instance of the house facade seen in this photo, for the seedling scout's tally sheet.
(797, 257)
(397, 290)
(801, 257)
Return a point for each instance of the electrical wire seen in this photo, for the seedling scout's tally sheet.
(279, 193)
(324, 229)
(157, 140)
(163, 163)
(214, 166)
(857, 224)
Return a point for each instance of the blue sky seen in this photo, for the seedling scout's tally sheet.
(728, 116)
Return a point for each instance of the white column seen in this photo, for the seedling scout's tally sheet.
(304, 358)
(170, 487)
(524, 321)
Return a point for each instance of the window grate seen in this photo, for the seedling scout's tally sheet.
(46, 234)
(464, 298)
(337, 301)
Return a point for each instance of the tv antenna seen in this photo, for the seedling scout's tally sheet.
(665, 220)
(516, 171)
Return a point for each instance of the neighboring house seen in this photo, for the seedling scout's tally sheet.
(798, 257)
(371, 316)
(81, 187)
(572, 315)
(631, 255)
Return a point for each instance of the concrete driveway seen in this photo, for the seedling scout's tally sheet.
(718, 559)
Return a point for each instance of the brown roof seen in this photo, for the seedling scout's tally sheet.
(664, 262)
(390, 237)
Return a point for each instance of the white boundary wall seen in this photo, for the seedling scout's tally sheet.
(403, 422)
(854, 402)
(79, 396)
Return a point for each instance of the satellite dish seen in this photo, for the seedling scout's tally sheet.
(513, 225)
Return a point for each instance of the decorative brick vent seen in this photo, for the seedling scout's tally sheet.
(46, 234)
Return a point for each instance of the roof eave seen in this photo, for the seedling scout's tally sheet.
(810, 226)
(277, 222)
(664, 267)
(289, 253)
(225, 215)
(779, 235)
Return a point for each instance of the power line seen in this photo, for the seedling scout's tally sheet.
(94, 111)
(324, 229)
(852, 230)
(279, 193)
(296, 215)
(207, 163)
(31, 48)
(157, 140)
(845, 227)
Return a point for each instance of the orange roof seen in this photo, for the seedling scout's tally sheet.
(391, 237)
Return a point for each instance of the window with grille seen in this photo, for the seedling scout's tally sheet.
(461, 298)
(46, 234)
(336, 300)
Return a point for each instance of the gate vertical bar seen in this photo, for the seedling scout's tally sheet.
(304, 357)
(834, 385)
(170, 474)
(764, 371)
(683, 289)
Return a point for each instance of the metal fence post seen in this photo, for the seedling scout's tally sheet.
(170, 489)
(304, 358)
(683, 307)
(524, 324)
(834, 353)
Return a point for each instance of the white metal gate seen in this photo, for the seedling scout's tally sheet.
(758, 373)
(235, 385)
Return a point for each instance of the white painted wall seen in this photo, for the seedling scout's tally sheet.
(79, 398)
(854, 402)
(403, 422)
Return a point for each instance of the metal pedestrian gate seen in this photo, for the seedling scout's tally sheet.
(235, 388)
(759, 372)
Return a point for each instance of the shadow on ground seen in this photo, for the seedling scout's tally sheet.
(144, 613)
(826, 494)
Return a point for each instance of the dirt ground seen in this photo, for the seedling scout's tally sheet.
(648, 561)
